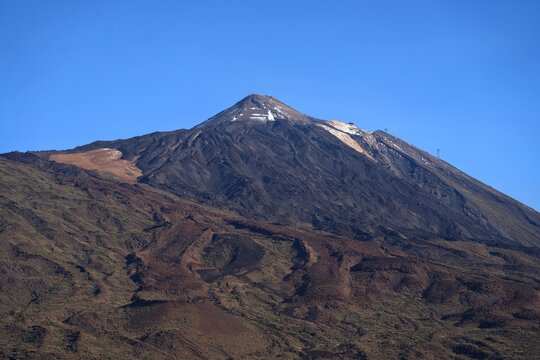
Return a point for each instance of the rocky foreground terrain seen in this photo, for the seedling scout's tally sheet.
(262, 233)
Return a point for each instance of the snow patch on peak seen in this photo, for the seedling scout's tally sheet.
(279, 110)
(262, 117)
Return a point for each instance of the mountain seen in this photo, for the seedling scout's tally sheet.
(262, 233)
(264, 160)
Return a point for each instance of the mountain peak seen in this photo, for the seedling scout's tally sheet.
(257, 97)
(259, 108)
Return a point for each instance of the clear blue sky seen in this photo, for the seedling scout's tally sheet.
(459, 75)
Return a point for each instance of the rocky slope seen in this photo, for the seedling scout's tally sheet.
(97, 268)
(262, 233)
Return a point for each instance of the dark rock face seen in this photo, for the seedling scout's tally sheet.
(267, 161)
